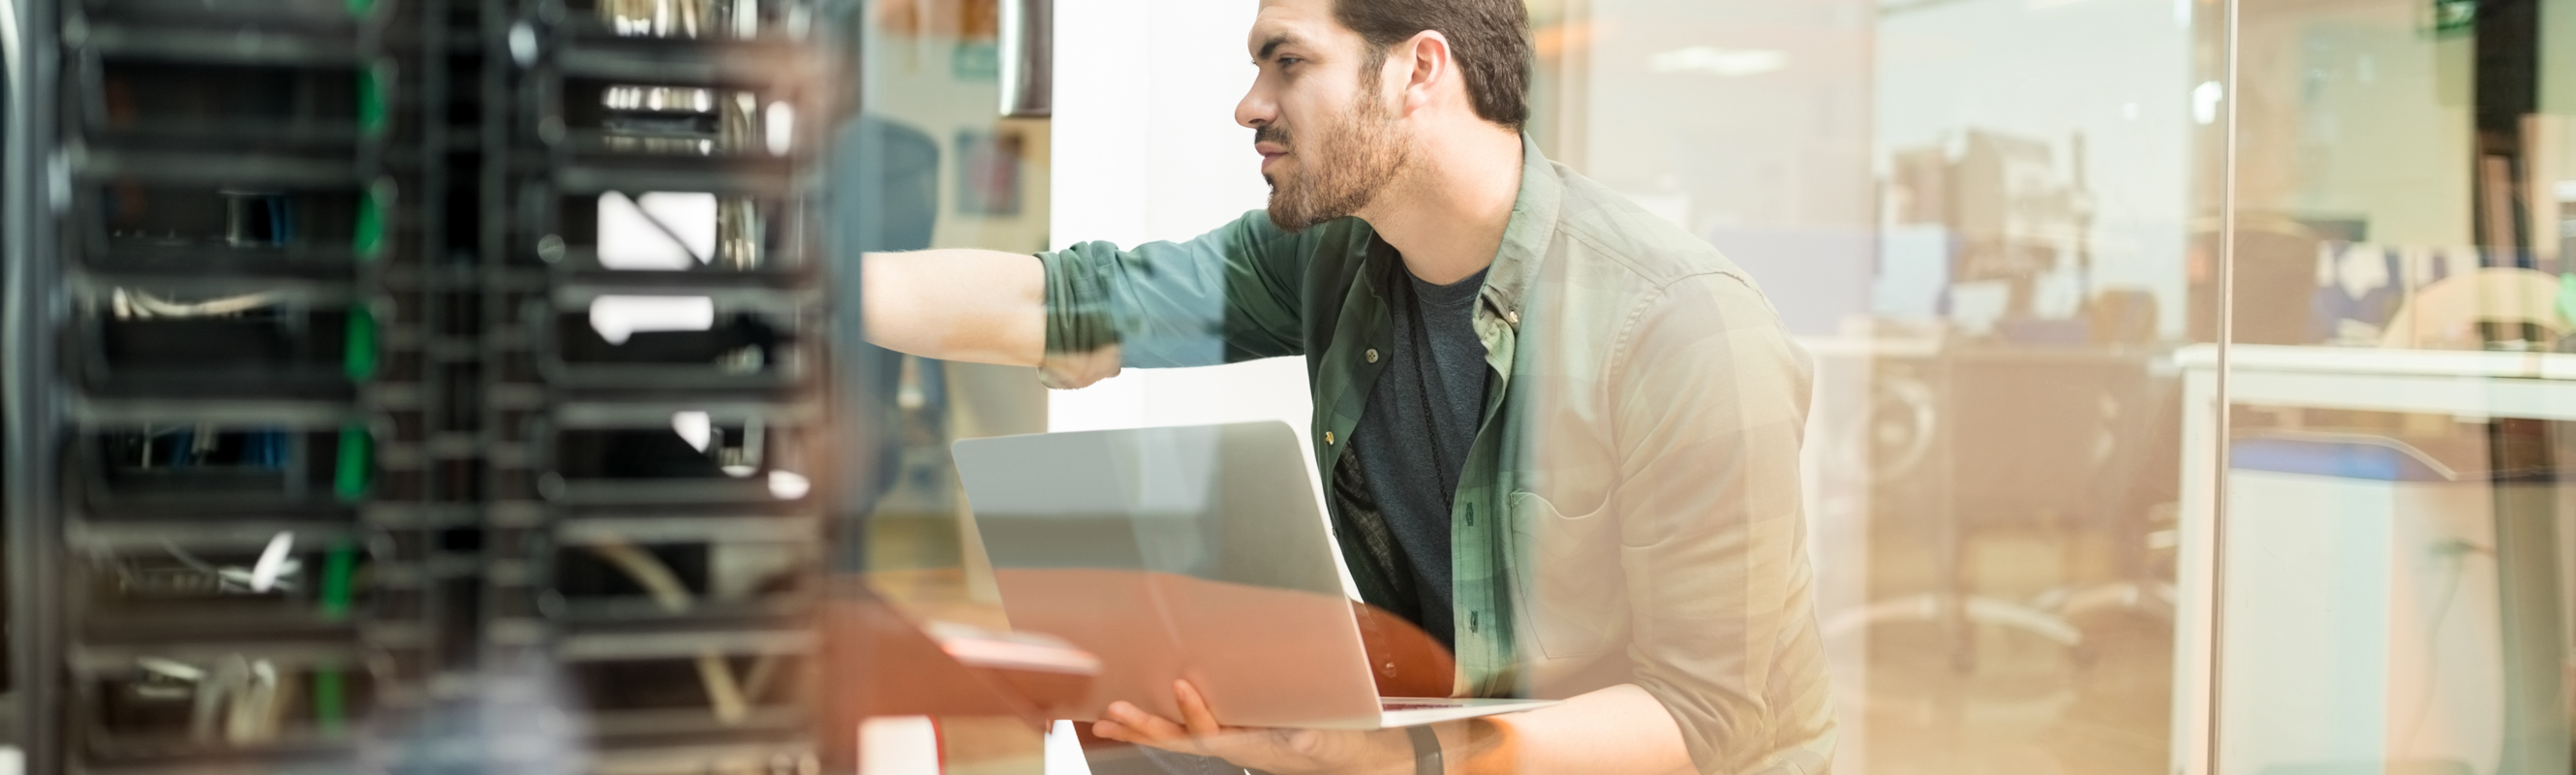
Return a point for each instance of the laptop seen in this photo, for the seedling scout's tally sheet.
(1195, 553)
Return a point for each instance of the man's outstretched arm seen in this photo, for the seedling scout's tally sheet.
(982, 306)
(1082, 313)
(979, 306)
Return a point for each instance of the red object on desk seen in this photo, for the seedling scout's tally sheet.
(880, 663)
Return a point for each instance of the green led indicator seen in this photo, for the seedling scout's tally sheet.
(374, 83)
(358, 356)
(339, 568)
(349, 473)
(330, 702)
(369, 239)
(330, 694)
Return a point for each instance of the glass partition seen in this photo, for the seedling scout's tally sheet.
(2034, 247)
(1976, 217)
(955, 173)
(2380, 567)
(2188, 375)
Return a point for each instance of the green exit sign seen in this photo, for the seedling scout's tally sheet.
(2454, 17)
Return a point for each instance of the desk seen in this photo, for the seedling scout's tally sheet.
(2469, 385)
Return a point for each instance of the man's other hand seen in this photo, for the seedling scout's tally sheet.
(1283, 751)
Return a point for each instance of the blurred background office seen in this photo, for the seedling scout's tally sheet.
(2025, 240)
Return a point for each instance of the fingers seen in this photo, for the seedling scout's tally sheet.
(1198, 732)
(1111, 730)
(1066, 371)
(1200, 721)
(1139, 726)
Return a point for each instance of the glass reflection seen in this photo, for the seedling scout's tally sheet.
(2378, 571)
(1990, 264)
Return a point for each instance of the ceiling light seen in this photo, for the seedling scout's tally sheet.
(1725, 62)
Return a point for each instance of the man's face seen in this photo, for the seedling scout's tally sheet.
(1328, 132)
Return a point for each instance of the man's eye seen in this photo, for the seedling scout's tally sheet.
(1286, 61)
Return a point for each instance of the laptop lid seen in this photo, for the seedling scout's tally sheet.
(1187, 552)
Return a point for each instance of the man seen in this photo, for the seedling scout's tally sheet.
(1558, 433)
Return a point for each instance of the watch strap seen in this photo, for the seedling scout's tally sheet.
(1426, 751)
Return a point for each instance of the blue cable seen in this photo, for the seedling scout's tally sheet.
(267, 449)
(180, 442)
(280, 222)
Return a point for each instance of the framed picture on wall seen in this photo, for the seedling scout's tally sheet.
(988, 172)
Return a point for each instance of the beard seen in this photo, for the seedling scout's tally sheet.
(1340, 168)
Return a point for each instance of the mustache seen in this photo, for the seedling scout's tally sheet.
(1271, 133)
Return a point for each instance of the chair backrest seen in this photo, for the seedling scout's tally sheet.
(2446, 315)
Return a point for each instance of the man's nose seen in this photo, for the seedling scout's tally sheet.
(1255, 111)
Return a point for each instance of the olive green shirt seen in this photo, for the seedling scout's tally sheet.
(1631, 507)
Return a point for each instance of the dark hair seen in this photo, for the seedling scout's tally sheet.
(1490, 39)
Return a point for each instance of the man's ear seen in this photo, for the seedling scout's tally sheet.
(1428, 64)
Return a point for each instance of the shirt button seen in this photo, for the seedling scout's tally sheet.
(1328, 437)
(1513, 317)
(1370, 356)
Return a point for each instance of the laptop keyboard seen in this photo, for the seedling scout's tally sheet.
(1418, 705)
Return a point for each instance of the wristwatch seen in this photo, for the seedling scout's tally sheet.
(1426, 751)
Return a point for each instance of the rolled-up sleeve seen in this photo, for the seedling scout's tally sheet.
(1710, 401)
(1232, 294)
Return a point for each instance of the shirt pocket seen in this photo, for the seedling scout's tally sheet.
(1570, 582)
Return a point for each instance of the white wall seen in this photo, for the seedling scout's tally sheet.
(1146, 149)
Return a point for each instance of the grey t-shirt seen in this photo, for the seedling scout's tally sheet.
(1411, 446)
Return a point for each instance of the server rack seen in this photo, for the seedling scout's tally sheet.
(659, 521)
(417, 385)
(217, 456)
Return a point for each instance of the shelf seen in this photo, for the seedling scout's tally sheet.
(236, 45)
(319, 17)
(681, 61)
(640, 644)
(98, 412)
(104, 164)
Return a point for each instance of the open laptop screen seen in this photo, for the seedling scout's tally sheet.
(1221, 502)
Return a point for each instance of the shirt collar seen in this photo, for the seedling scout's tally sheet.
(1525, 239)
